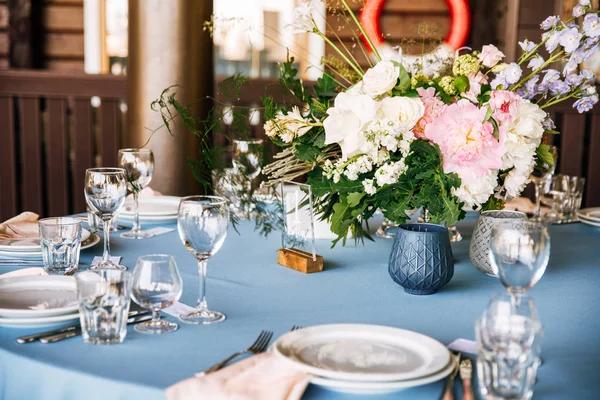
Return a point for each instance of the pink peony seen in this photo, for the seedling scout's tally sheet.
(434, 107)
(505, 105)
(475, 82)
(467, 144)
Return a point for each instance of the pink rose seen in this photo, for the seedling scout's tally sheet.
(490, 55)
(505, 105)
(467, 144)
(433, 108)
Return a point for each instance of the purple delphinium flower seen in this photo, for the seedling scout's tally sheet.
(591, 25)
(588, 76)
(512, 73)
(531, 87)
(550, 22)
(585, 104)
(559, 87)
(527, 45)
(585, 3)
(569, 39)
(579, 10)
(570, 66)
(535, 62)
(552, 39)
(548, 124)
(551, 76)
(574, 79)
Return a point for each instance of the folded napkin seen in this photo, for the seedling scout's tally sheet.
(22, 226)
(523, 204)
(261, 377)
(35, 271)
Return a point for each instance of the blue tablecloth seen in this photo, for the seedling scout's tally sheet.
(246, 283)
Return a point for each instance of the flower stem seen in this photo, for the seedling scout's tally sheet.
(341, 53)
(362, 30)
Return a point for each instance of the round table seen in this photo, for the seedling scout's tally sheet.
(246, 283)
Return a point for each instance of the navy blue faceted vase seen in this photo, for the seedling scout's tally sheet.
(421, 260)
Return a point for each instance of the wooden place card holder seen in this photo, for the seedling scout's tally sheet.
(300, 260)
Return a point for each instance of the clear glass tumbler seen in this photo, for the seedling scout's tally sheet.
(574, 197)
(508, 348)
(60, 239)
(103, 305)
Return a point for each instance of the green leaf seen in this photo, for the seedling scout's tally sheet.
(341, 220)
(326, 86)
(552, 132)
(305, 152)
(404, 78)
(355, 198)
(544, 155)
(488, 114)
(230, 87)
(461, 83)
(493, 203)
(496, 129)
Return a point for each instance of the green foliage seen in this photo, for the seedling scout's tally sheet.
(493, 203)
(290, 82)
(231, 87)
(325, 87)
(543, 155)
(461, 83)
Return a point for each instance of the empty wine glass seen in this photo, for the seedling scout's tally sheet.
(138, 165)
(202, 223)
(105, 191)
(519, 254)
(539, 177)
(156, 285)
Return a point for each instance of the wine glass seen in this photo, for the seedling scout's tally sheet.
(519, 254)
(105, 191)
(156, 285)
(138, 165)
(202, 223)
(248, 157)
(539, 177)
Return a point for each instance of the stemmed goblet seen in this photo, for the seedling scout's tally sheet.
(519, 254)
(202, 223)
(105, 191)
(156, 285)
(539, 177)
(138, 165)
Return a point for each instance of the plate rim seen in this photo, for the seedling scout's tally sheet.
(37, 321)
(94, 239)
(381, 387)
(350, 376)
(40, 281)
(34, 248)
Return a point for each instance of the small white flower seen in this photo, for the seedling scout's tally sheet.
(380, 79)
(369, 187)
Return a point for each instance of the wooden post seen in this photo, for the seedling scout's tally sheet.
(25, 33)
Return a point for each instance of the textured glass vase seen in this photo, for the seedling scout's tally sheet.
(421, 259)
(479, 252)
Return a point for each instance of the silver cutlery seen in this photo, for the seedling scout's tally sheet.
(259, 345)
(77, 332)
(448, 393)
(466, 372)
(295, 328)
(15, 261)
(66, 329)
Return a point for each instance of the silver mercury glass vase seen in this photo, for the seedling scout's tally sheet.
(479, 252)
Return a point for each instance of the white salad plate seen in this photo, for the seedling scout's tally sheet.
(37, 296)
(362, 353)
(156, 206)
(588, 222)
(92, 240)
(30, 244)
(374, 388)
(590, 214)
(38, 321)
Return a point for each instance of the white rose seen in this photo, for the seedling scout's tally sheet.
(346, 120)
(381, 78)
(529, 120)
(405, 110)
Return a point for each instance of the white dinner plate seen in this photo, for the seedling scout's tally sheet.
(373, 388)
(591, 214)
(588, 222)
(366, 353)
(31, 244)
(38, 321)
(37, 296)
(37, 255)
(154, 206)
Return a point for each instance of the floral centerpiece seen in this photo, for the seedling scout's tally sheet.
(392, 138)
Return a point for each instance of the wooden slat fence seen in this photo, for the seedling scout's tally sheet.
(53, 127)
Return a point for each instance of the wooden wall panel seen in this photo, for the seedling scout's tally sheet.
(60, 45)
(63, 18)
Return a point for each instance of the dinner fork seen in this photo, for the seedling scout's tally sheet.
(259, 345)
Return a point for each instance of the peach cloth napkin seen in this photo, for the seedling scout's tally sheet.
(34, 271)
(260, 377)
(523, 204)
(22, 226)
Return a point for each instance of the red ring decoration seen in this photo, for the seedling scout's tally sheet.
(460, 23)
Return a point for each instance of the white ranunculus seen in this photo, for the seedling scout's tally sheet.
(381, 78)
(346, 121)
(405, 110)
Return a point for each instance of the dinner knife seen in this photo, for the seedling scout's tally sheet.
(67, 335)
(66, 329)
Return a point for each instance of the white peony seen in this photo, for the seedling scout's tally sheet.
(516, 180)
(381, 78)
(404, 110)
(529, 120)
(479, 191)
(346, 121)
